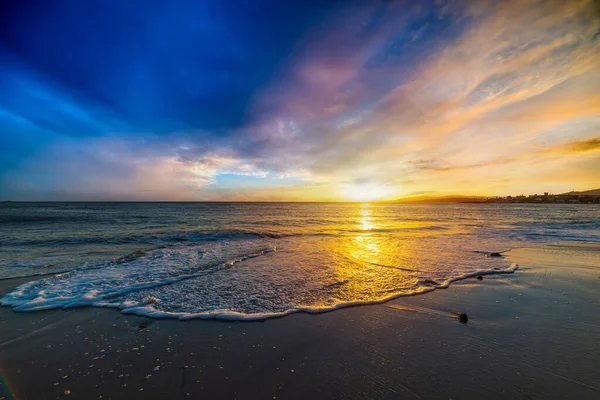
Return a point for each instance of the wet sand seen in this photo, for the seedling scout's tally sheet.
(532, 334)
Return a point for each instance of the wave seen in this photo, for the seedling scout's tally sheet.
(94, 285)
(154, 239)
(228, 315)
(588, 232)
(33, 275)
(134, 284)
(28, 219)
(204, 236)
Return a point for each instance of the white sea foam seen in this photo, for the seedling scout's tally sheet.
(245, 279)
(205, 260)
(104, 285)
(149, 311)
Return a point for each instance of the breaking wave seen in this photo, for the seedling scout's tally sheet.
(234, 279)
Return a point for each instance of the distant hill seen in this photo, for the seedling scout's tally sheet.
(593, 192)
(474, 199)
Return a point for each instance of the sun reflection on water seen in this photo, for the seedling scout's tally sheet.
(370, 264)
(365, 246)
(366, 219)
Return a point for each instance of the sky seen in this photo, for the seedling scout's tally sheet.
(297, 100)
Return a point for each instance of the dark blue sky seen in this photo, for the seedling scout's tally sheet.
(156, 65)
(93, 93)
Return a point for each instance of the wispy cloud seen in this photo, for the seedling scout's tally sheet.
(574, 148)
(472, 97)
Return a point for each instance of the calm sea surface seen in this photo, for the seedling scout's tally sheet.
(258, 260)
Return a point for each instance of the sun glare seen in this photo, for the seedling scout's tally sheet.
(365, 192)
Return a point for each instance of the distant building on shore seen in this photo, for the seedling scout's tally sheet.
(588, 197)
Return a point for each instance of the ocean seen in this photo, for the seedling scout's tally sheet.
(247, 261)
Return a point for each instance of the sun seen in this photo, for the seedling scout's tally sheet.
(369, 191)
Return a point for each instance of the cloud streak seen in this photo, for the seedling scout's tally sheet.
(400, 97)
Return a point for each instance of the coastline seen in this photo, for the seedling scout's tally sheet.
(147, 310)
(531, 334)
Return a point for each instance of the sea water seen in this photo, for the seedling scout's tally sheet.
(261, 260)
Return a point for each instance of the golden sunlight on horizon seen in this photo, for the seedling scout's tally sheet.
(497, 98)
(364, 192)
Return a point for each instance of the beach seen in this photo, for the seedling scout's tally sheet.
(306, 200)
(531, 334)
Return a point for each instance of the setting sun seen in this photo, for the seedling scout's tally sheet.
(389, 165)
(365, 192)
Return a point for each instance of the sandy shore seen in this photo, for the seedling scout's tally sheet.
(533, 334)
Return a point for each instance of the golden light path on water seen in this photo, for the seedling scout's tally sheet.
(361, 257)
(269, 260)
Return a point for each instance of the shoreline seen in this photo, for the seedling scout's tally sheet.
(530, 334)
(148, 311)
